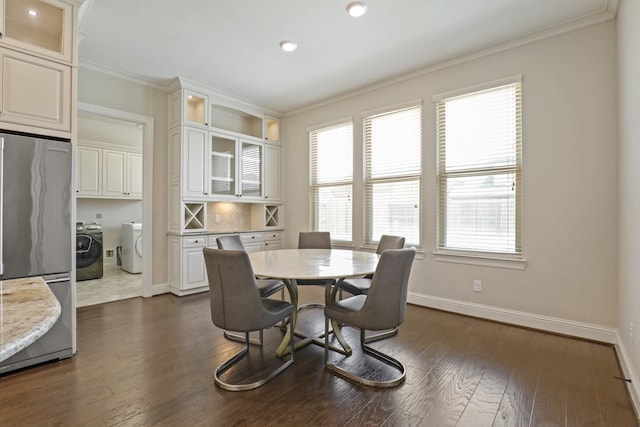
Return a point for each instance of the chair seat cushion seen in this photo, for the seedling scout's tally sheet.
(356, 286)
(269, 287)
(345, 309)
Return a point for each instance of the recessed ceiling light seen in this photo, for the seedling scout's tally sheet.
(288, 46)
(356, 9)
(32, 12)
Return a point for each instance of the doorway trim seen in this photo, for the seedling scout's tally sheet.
(147, 182)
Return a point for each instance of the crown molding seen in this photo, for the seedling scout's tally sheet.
(608, 12)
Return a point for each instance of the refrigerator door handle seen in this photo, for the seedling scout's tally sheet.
(1, 204)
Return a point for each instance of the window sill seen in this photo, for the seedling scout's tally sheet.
(485, 260)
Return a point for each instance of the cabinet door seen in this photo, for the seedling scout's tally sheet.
(35, 92)
(272, 162)
(134, 175)
(89, 171)
(272, 245)
(113, 173)
(194, 274)
(194, 163)
(272, 129)
(43, 27)
(195, 109)
(224, 166)
(251, 170)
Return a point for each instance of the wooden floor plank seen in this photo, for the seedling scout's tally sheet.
(150, 362)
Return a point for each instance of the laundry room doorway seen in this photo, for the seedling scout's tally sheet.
(113, 158)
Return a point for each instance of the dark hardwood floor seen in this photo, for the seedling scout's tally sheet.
(150, 362)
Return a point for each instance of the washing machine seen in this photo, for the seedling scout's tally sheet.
(89, 261)
(132, 247)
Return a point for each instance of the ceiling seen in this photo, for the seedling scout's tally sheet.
(232, 47)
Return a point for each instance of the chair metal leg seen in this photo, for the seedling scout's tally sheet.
(235, 336)
(238, 356)
(381, 335)
(388, 360)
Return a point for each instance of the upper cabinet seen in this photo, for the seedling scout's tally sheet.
(107, 171)
(38, 55)
(41, 27)
(272, 129)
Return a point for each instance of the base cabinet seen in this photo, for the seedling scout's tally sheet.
(187, 270)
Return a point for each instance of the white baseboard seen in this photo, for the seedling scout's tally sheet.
(520, 318)
(629, 372)
(159, 288)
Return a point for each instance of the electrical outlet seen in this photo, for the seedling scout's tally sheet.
(477, 285)
(108, 253)
(631, 332)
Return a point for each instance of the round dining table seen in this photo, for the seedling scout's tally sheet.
(330, 265)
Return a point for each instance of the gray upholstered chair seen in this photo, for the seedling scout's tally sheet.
(267, 287)
(313, 240)
(384, 307)
(361, 286)
(236, 305)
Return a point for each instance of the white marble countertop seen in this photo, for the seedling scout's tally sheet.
(28, 309)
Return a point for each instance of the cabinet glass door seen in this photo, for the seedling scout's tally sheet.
(37, 23)
(251, 179)
(195, 108)
(223, 165)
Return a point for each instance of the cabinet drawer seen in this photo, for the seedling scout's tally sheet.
(273, 235)
(194, 242)
(252, 237)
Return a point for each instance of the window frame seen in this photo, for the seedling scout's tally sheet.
(511, 260)
(315, 186)
(368, 181)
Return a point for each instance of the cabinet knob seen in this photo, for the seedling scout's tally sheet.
(1, 35)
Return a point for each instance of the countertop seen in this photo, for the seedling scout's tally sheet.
(230, 231)
(28, 309)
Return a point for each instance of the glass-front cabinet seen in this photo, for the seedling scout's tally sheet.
(223, 165)
(251, 169)
(236, 167)
(42, 27)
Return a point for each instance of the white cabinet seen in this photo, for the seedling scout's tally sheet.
(194, 164)
(37, 58)
(121, 174)
(187, 270)
(35, 92)
(42, 27)
(88, 176)
(272, 171)
(235, 168)
(272, 129)
(108, 173)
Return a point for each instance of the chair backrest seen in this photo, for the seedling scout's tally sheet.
(389, 242)
(232, 242)
(233, 293)
(314, 240)
(386, 303)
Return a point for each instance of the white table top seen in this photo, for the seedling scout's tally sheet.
(313, 263)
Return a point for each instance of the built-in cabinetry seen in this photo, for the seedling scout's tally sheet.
(187, 271)
(38, 65)
(108, 171)
(219, 150)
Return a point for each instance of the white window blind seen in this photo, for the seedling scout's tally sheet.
(393, 174)
(332, 180)
(479, 170)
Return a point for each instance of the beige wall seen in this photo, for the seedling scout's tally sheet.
(119, 94)
(629, 249)
(570, 206)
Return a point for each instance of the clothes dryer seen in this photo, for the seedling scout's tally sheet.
(132, 247)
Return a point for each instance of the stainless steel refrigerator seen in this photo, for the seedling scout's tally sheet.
(36, 232)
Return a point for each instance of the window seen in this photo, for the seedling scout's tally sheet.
(332, 180)
(393, 174)
(479, 169)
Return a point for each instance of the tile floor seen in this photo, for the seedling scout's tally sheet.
(114, 285)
